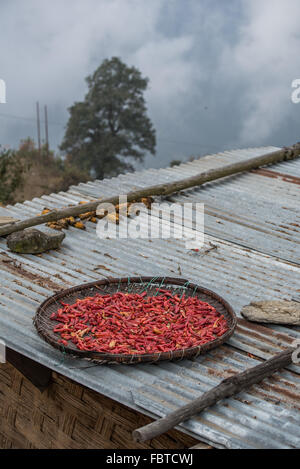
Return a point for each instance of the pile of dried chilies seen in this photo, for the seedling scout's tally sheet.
(131, 323)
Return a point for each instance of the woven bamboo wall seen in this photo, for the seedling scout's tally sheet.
(68, 415)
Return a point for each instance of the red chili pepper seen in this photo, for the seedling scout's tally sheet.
(137, 323)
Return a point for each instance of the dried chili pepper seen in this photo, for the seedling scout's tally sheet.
(126, 323)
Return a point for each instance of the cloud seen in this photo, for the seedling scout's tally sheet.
(166, 62)
(51, 48)
(220, 72)
(266, 60)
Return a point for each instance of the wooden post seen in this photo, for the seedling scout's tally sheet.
(228, 387)
(46, 131)
(38, 126)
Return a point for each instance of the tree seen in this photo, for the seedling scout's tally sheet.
(111, 124)
(11, 169)
(175, 163)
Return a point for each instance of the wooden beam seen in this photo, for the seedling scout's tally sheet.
(39, 375)
(160, 189)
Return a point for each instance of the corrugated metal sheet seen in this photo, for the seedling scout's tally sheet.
(252, 210)
(255, 258)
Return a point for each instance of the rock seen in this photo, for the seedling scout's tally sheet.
(32, 241)
(276, 312)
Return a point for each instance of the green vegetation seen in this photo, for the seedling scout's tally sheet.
(175, 163)
(11, 169)
(26, 173)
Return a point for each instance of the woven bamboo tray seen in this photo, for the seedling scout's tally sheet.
(44, 324)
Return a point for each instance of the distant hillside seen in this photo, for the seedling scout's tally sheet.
(26, 173)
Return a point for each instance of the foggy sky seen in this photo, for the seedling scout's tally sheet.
(220, 71)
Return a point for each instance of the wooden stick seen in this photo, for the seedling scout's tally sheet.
(228, 387)
(6, 220)
(160, 189)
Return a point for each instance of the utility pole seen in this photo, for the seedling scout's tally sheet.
(38, 126)
(46, 131)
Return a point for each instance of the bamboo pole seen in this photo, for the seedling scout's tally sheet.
(228, 387)
(284, 154)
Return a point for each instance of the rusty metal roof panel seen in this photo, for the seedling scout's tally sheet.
(267, 415)
(291, 168)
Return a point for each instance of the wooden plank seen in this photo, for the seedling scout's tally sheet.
(36, 373)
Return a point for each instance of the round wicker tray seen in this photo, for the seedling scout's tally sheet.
(44, 324)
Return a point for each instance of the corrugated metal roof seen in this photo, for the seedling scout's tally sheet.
(252, 220)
